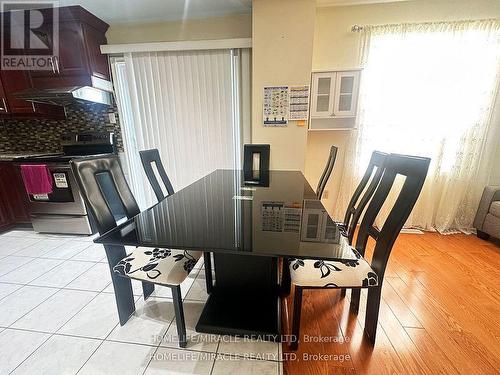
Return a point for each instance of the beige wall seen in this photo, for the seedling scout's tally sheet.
(495, 143)
(286, 29)
(282, 39)
(235, 26)
(336, 47)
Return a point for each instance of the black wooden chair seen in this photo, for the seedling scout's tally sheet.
(354, 210)
(325, 176)
(151, 266)
(148, 158)
(318, 274)
(326, 172)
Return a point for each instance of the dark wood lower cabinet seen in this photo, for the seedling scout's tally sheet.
(5, 220)
(12, 198)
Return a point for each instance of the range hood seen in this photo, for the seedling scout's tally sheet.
(66, 96)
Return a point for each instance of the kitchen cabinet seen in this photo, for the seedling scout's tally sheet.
(5, 220)
(346, 93)
(3, 101)
(72, 59)
(79, 61)
(323, 90)
(98, 61)
(13, 81)
(334, 94)
(12, 197)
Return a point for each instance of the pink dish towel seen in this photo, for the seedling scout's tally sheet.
(37, 178)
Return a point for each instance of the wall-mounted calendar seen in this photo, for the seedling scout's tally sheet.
(299, 102)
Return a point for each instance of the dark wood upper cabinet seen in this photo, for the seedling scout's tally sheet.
(72, 59)
(80, 61)
(97, 61)
(13, 81)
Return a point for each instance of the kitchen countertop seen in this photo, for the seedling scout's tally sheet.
(14, 156)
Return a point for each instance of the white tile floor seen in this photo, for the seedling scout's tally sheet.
(58, 316)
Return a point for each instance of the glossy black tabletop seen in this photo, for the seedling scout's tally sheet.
(219, 213)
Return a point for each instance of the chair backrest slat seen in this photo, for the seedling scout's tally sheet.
(325, 176)
(354, 210)
(415, 170)
(88, 173)
(148, 157)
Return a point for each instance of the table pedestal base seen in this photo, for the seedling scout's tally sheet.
(245, 299)
(241, 315)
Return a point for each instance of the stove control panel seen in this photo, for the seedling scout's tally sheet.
(88, 138)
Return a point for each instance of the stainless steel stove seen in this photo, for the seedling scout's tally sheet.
(63, 210)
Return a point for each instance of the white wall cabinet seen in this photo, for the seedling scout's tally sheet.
(346, 93)
(323, 88)
(334, 94)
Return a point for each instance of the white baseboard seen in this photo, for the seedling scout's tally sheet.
(411, 231)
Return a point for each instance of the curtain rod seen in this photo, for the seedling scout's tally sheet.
(360, 28)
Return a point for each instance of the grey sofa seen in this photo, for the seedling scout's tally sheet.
(487, 221)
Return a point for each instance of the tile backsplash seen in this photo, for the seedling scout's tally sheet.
(41, 135)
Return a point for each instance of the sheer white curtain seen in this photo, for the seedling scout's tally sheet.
(186, 104)
(428, 89)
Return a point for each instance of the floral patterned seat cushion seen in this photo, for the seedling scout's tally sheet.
(336, 274)
(159, 266)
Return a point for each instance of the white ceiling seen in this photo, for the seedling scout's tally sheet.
(129, 11)
(324, 3)
(125, 11)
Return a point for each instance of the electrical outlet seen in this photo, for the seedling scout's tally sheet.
(325, 194)
(112, 118)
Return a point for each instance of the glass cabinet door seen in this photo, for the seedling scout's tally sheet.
(346, 88)
(311, 231)
(322, 98)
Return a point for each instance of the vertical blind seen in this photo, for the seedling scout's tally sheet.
(186, 104)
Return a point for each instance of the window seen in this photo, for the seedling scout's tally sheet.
(429, 90)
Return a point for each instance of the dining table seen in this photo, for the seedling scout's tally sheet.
(248, 227)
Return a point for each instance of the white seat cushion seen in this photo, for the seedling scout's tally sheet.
(159, 266)
(335, 274)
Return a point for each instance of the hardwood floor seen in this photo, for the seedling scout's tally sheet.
(440, 314)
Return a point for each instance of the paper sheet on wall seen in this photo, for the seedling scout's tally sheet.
(276, 105)
(299, 102)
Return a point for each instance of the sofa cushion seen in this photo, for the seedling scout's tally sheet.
(495, 208)
(492, 225)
